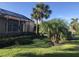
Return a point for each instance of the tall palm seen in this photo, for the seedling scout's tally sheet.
(39, 12)
(74, 25)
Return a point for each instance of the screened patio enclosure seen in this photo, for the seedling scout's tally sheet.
(11, 22)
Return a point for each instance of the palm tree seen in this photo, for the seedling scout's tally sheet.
(74, 25)
(54, 28)
(39, 12)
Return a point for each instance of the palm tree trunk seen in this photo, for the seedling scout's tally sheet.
(37, 31)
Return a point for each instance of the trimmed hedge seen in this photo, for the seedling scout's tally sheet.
(6, 41)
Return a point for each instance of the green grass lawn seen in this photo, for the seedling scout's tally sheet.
(41, 48)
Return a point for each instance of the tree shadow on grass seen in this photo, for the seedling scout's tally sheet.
(72, 49)
(48, 55)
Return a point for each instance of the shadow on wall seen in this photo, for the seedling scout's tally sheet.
(48, 55)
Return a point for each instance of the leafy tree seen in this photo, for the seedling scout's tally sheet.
(39, 12)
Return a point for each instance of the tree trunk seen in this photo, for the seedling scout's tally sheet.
(57, 38)
(37, 27)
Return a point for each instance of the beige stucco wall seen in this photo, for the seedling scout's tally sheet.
(25, 27)
(28, 26)
(31, 28)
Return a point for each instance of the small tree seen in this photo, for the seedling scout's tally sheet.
(39, 12)
(54, 28)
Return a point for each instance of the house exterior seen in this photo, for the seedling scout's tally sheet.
(72, 30)
(11, 22)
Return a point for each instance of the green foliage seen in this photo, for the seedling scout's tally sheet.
(74, 24)
(58, 25)
(54, 25)
(43, 27)
(24, 40)
(18, 40)
(39, 12)
(68, 49)
(55, 29)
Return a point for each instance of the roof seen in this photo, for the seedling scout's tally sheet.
(9, 13)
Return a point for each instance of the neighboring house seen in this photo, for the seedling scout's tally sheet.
(72, 30)
(11, 22)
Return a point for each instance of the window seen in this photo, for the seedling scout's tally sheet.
(13, 26)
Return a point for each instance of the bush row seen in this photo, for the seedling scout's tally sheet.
(20, 40)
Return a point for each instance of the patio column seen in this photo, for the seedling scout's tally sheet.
(28, 26)
(23, 26)
(7, 25)
(19, 26)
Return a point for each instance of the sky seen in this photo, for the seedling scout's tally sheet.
(63, 10)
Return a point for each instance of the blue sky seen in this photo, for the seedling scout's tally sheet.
(64, 10)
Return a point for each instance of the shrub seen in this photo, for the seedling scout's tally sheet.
(21, 40)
